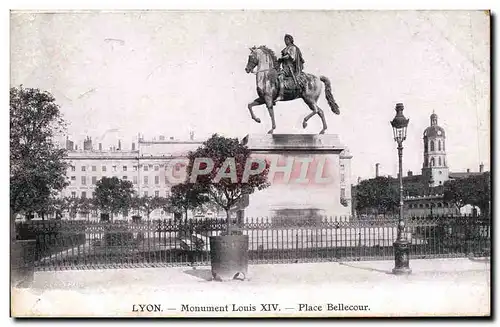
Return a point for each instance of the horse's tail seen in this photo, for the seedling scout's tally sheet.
(329, 96)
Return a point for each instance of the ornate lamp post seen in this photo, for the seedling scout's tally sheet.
(401, 245)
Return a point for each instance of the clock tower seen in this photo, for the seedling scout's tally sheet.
(434, 170)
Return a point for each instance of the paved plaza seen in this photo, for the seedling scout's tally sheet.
(443, 287)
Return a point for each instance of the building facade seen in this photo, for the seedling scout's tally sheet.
(152, 167)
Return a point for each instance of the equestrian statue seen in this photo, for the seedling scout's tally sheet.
(283, 80)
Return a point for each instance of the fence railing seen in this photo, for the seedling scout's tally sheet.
(86, 245)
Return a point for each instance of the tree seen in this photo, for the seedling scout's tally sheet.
(474, 190)
(37, 165)
(229, 158)
(186, 196)
(148, 204)
(72, 204)
(86, 206)
(58, 205)
(113, 195)
(380, 194)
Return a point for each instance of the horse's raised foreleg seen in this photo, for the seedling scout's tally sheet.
(256, 102)
(306, 118)
(269, 105)
(313, 108)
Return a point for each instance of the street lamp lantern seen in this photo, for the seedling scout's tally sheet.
(399, 124)
(401, 245)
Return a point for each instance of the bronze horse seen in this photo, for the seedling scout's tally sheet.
(267, 87)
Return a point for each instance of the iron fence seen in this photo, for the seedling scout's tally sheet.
(87, 245)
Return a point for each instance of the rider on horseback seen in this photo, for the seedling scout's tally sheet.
(292, 65)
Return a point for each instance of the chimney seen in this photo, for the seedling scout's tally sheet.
(468, 170)
(191, 135)
(119, 145)
(100, 146)
(133, 146)
(76, 147)
(376, 169)
(481, 167)
(162, 138)
(410, 173)
(87, 144)
(69, 144)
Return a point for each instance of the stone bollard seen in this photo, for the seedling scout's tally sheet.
(22, 263)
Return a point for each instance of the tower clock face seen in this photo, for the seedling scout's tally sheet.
(439, 133)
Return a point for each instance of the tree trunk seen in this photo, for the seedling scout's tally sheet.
(228, 217)
(13, 231)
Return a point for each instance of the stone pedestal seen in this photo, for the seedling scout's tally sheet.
(306, 178)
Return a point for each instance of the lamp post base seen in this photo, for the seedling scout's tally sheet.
(401, 257)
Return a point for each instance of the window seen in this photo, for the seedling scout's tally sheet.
(145, 193)
(83, 168)
(145, 167)
(73, 178)
(439, 161)
(135, 180)
(84, 195)
(103, 168)
(342, 193)
(443, 145)
(114, 168)
(439, 145)
(432, 145)
(157, 193)
(93, 194)
(440, 182)
(432, 162)
(157, 168)
(135, 168)
(73, 168)
(94, 168)
(73, 194)
(157, 180)
(167, 193)
(145, 180)
(84, 180)
(342, 178)
(94, 180)
(124, 168)
(166, 180)
(124, 178)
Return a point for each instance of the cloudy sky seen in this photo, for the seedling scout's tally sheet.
(117, 74)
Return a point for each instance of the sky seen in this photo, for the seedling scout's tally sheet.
(117, 74)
